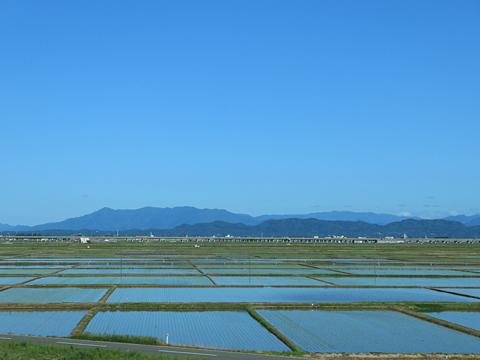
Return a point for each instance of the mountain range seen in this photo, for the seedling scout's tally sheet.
(189, 220)
(107, 219)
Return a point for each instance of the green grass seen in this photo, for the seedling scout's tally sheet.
(11, 350)
(119, 338)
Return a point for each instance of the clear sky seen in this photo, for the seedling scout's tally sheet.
(257, 107)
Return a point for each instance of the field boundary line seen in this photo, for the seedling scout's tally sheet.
(213, 281)
(454, 293)
(24, 282)
(440, 322)
(197, 268)
(280, 336)
(337, 271)
(82, 324)
(56, 272)
(107, 294)
(326, 282)
(6, 288)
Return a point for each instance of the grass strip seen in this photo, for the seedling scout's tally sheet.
(131, 339)
(84, 322)
(6, 287)
(107, 294)
(213, 281)
(295, 348)
(27, 351)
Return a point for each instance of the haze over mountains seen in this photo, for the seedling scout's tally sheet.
(107, 219)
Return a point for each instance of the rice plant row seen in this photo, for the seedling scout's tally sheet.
(130, 271)
(13, 280)
(402, 281)
(52, 295)
(40, 323)
(233, 330)
(468, 319)
(279, 295)
(126, 280)
(367, 331)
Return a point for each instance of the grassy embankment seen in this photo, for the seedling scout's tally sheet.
(12, 350)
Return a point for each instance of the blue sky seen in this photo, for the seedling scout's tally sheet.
(257, 107)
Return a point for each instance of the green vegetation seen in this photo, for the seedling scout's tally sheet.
(12, 350)
(120, 338)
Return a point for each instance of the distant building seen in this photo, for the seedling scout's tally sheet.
(85, 240)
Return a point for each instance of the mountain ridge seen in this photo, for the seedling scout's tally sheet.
(107, 219)
(304, 228)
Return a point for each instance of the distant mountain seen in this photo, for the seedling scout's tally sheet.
(107, 219)
(368, 217)
(145, 218)
(314, 227)
(472, 220)
(6, 227)
(305, 228)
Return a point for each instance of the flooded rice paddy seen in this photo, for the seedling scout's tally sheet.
(40, 323)
(465, 318)
(267, 281)
(367, 331)
(403, 281)
(13, 280)
(144, 271)
(26, 271)
(52, 295)
(127, 280)
(267, 271)
(278, 295)
(471, 292)
(137, 283)
(232, 330)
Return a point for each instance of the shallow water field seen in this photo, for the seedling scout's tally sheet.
(278, 295)
(410, 272)
(354, 260)
(145, 271)
(137, 266)
(268, 271)
(52, 295)
(16, 267)
(92, 260)
(465, 318)
(40, 323)
(252, 266)
(267, 280)
(232, 330)
(472, 292)
(399, 281)
(13, 280)
(367, 331)
(129, 280)
(27, 271)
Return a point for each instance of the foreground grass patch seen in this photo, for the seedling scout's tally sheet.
(12, 350)
(120, 338)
